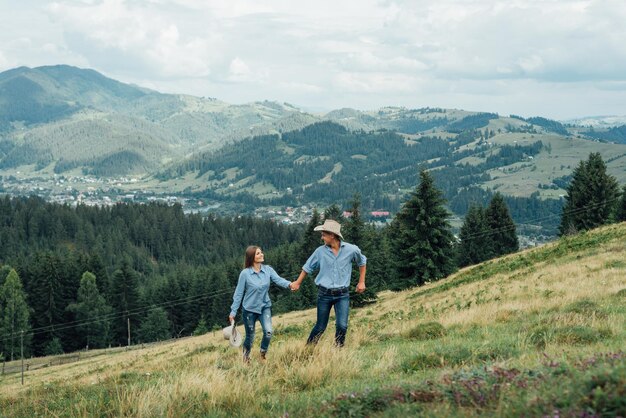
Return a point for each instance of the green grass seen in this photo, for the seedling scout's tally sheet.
(506, 338)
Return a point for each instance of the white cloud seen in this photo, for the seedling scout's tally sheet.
(461, 53)
(239, 70)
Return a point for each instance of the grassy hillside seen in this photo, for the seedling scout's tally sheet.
(536, 333)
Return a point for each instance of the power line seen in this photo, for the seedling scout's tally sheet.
(115, 315)
(181, 301)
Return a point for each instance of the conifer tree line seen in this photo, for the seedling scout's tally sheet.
(78, 278)
(593, 198)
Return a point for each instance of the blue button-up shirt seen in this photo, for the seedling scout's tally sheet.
(334, 269)
(254, 288)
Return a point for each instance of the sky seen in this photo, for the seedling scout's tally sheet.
(560, 59)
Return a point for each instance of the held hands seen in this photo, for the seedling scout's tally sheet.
(360, 287)
(294, 286)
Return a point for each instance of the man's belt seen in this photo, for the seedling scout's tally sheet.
(337, 291)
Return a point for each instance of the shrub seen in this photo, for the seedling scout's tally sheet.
(585, 307)
(541, 335)
(606, 393)
(423, 361)
(580, 335)
(287, 330)
(427, 331)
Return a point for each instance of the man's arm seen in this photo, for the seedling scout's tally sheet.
(296, 285)
(360, 287)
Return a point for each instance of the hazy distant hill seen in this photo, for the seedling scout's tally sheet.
(62, 119)
(325, 163)
(66, 118)
(598, 121)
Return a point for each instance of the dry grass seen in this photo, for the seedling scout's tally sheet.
(198, 374)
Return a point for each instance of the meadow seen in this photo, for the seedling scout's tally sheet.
(537, 333)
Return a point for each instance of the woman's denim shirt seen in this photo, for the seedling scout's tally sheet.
(254, 288)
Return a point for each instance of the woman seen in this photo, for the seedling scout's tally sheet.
(253, 289)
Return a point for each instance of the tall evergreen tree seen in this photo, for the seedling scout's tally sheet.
(14, 316)
(502, 228)
(4, 272)
(591, 197)
(156, 326)
(620, 210)
(424, 242)
(353, 228)
(220, 299)
(125, 303)
(46, 295)
(334, 212)
(96, 266)
(307, 294)
(354, 232)
(476, 243)
(92, 313)
(310, 239)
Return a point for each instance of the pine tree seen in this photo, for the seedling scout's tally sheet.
(96, 266)
(156, 326)
(201, 328)
(221, 297)
(4, 272)
(307, 294)
(423, 242)
(310, 239)
(92, 313)
(354, 228)
(476, 243)
(620, 210)
(14, 316)
(334, 212)
(591, 197)
(125, 302)
(46, 295)
(502, 228)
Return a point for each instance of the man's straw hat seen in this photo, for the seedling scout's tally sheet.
(330, 225)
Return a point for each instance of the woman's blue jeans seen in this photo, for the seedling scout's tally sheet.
(249, 323)
(327, 298)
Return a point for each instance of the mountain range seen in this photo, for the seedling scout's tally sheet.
(62, 120)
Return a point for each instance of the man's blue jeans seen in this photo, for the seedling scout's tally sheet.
(249, 322)
(327, 298)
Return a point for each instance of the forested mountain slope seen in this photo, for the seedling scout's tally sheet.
(327, 163)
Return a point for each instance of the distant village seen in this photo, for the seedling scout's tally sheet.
(94, 191)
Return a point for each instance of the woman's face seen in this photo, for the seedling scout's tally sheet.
(258, 256)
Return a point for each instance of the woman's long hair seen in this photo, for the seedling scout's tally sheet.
(250, 253)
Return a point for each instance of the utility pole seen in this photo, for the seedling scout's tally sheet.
(128, 321)
(22, 355)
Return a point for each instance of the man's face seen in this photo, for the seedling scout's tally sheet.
(327, 237)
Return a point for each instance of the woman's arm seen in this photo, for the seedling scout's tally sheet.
(279, 280)
(238, 296)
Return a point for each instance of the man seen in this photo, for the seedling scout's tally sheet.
(334, 261)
